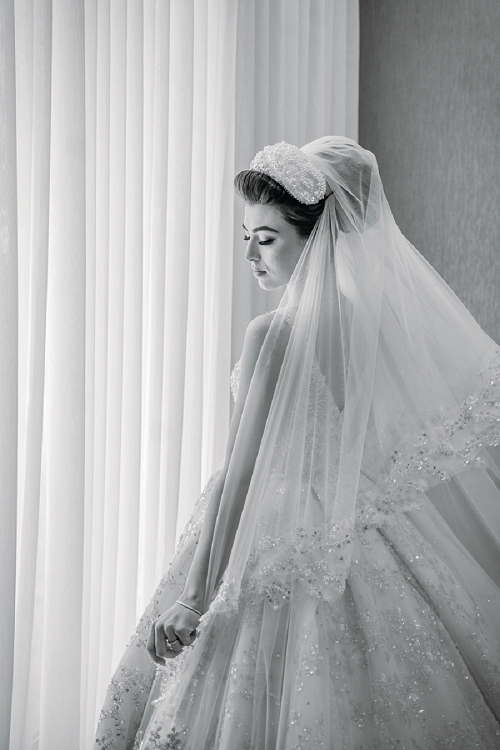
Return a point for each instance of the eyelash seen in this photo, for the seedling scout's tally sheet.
(263, 242)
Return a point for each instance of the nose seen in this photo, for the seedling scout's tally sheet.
(252, 251)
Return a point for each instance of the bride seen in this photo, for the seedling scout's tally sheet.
(338, 583)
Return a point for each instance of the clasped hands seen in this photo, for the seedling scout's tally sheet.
(170, 632)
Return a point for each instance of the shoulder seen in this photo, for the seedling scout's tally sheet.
(257, 331)
(257, 328)
(255, 335)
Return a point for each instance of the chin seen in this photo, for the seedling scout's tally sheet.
(268, 284)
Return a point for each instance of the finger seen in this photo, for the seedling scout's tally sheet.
(151, 647)
(173, 641)
(151, 643)
(186, 637)
(161, 647)
(175, 646)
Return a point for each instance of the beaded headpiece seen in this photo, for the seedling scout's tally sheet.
(294, 171)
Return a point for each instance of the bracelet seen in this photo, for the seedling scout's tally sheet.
(178, 601)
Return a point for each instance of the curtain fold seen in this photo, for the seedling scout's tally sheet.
(122, 126)
(8, 358)
(51, 153)
(296, 80)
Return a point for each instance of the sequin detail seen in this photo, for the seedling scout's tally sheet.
(378, 669)
(293, 170)
(405, 659)
(289, 314)
(235, 379)
(451, 441)
(173, 582)
(372, 506)
(131, 684)
(130, 689)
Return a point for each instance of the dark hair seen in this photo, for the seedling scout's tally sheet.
(257, 187)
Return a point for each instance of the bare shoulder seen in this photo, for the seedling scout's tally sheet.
(256, 332)
(255, 335)
(258, 327)
(254, 338)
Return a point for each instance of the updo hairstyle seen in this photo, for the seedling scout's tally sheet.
(257, 187)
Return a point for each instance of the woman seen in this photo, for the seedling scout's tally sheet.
(338, 583)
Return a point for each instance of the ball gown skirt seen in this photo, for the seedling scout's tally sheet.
(407, 658)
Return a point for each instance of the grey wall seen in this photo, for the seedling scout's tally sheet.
(430, 111)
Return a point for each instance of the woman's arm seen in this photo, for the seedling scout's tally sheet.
(180, 622)
(194, 590)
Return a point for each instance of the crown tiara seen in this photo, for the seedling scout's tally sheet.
(294, 171)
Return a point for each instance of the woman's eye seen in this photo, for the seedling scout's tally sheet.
(262, 242)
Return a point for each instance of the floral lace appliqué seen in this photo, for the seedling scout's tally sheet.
(450, 442)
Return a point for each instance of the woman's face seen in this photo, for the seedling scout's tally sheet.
(273, 245)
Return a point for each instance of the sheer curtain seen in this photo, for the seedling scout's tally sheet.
(123, 301)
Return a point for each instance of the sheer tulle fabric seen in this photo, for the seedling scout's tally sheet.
(407, 657)
(358, 607)
(418, 375)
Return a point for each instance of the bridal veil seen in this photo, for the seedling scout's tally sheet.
(413, 403)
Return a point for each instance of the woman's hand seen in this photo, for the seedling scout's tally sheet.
(173, 630)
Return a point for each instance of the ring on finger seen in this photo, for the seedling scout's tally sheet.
(170, 644)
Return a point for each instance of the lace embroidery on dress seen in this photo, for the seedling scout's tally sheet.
(389, 633)
(428, 455)
(307, 557)
(373, 507)
(446, 446)
(134, 683)
(169, 580)
(314, 560)
(401, 599)
(234, 380)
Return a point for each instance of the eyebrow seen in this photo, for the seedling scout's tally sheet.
(259, 229)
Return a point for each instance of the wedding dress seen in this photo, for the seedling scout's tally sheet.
(360, 608)
(407, 658)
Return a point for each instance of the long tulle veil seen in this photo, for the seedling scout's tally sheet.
(413, 402)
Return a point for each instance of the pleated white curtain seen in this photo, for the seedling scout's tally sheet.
(123, 301)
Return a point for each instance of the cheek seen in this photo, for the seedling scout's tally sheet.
(293, 257)
(273, 258)
(281, 260)
(285, 258)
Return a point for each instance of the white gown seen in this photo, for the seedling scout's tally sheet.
(408, 658)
